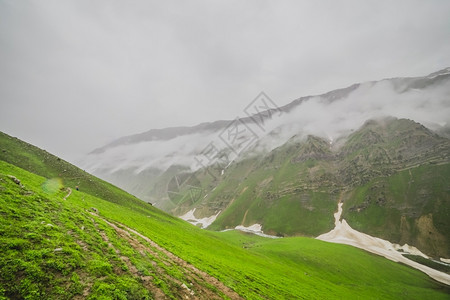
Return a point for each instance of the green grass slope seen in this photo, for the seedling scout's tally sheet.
(53, 248)
(290, 191)
(40, 162)
(72, 258)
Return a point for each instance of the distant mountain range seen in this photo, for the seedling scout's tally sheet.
(380, 147)
(399, 85)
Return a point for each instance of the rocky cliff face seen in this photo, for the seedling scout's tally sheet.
(298, 162)
(392, 175)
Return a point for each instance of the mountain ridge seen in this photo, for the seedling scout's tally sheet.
(307, 178)
(352, 150)
(171, 132)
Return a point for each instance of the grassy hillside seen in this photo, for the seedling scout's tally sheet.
(55, 248)
(412, 205)
(290, 191)
(86, 247)
(40, 162)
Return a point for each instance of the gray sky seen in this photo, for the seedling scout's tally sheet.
(75, 75)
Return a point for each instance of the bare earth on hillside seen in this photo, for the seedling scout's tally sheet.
(69, 192)
(344, 234)
(201, 286)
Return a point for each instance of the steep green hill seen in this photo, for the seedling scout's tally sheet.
(60, 246)
(393, 176)
(40, 162)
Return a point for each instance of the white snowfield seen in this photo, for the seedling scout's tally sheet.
(445, 260)
(344, 234)
(255, 229)
(204, 222)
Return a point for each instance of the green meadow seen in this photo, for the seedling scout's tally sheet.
(51, 248)
(56, 248)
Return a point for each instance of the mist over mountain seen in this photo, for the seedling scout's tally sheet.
(331, 116)
(69, 235)
(225, 150)
(285, 168)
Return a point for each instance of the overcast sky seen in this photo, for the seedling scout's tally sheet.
(75, 75)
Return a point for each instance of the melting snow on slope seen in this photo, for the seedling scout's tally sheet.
(255, 229)
(204, 222)
(344, 234)
(445, 260)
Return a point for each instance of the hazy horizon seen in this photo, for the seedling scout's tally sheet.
(75, 75)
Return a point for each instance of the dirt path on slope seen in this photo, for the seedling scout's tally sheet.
(201, 284)
(245, 217)
(344, 234)
(68, 193)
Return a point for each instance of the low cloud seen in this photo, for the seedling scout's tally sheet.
(76, 74)
(316, 116)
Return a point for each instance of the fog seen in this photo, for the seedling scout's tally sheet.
(429, 106)
(77, 74)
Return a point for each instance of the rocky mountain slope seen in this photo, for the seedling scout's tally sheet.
(136, 162)
(399, 85)
(293, 163)
(392, 175)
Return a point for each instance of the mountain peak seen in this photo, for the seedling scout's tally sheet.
(400, 85)
(445, 71)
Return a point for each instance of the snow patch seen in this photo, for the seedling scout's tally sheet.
(446, 71)
(409, 249)
(204, 222)
(344, 234)
(445, 260)
(255, 229)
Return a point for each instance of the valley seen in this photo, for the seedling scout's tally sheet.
(117, 247)
(264, 220)
(377, 144)
(294, 189)
(197, 150)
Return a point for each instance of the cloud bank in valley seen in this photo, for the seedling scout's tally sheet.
(316, 116)
(76, 74)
